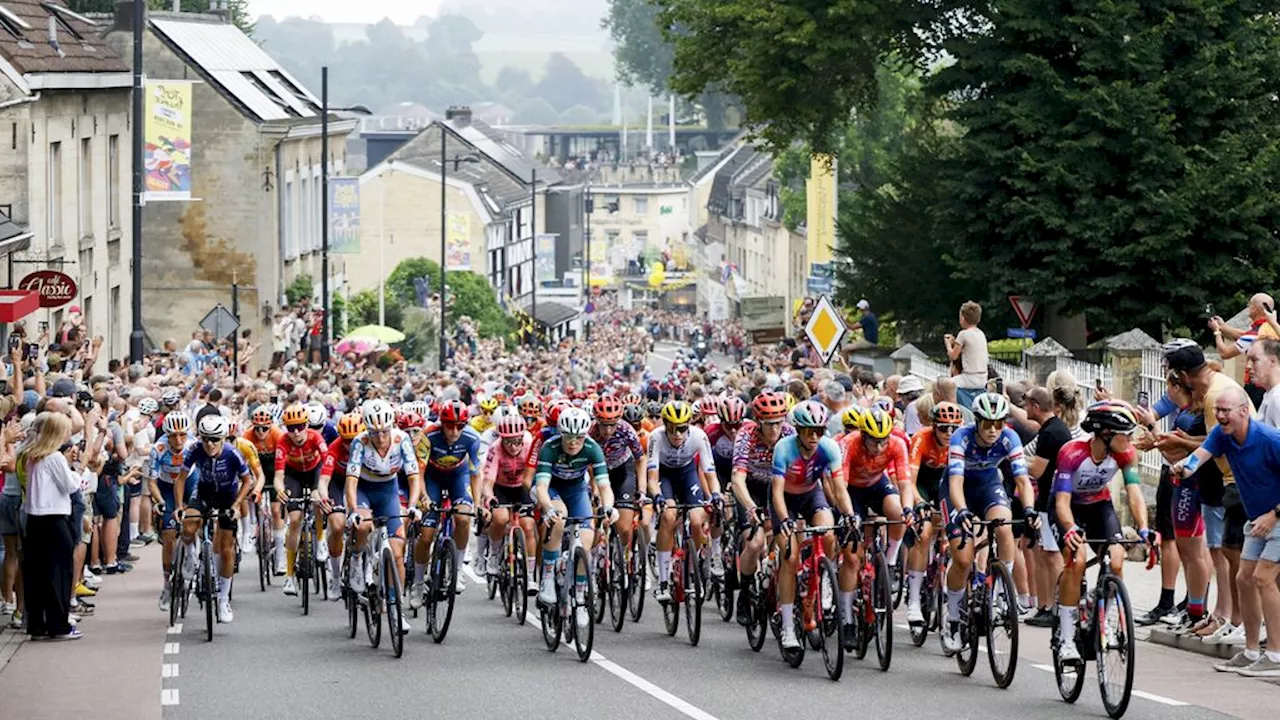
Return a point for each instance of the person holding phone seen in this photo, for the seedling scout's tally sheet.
(1233, 342)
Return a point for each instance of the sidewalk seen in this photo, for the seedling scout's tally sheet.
(114, 672)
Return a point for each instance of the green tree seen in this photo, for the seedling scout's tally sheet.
(564, 85)
(300, 288)
(642, 55)
(535, 111)
(579, 115)
(400, 282)
(471, 295)
(515, 83)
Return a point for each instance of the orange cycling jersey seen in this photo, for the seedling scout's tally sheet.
(862, 469)
(303, 457)
(926, 452)
(265, 444)
(648, 424)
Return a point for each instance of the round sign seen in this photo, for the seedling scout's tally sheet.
(55, 288)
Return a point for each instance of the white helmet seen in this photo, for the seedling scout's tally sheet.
(148, 406)
(378, 415)
(574, 421)
(176, 422)
(316, 414)
(171, 397)
(212, 426)
(417, 406)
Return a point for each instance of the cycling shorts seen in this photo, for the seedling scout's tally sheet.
(927, 482)
(871, 498)
(298, 483)
(170, 522)
(802, 506)
(1185, 517)
(759, 493)
(681, 484)
(382, 500)
(576, 498)
(511, 495)
(337, 490)
(981, 495)
(1096, 520)
(211, 497)
(623, 481)
(457, 487)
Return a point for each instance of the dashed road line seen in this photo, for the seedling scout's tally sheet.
(175, 629)
(169, 696)
(1136, 693)
(169, 670)
(171, 648)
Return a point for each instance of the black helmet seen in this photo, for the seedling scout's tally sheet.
(1109, 416)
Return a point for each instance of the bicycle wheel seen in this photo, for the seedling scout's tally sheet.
(444, 583)
(671, 608)
(177, 584)
(899, 577)
(637, 576)
(208, 591)
(504, 576)
(617, 583)
(519, 579)
(693, 594)
(862, 630)
(303, 565)
(1070, 678)
(322, 578)
(967, 657)
(830, 624)
(395, 608)
(582, 597)
(758, 628)
(1114, 643)
(1002, 625)
(353, 602)
(263, 548)
(882, 604)
(551, 621)
(599, 576)
(373, 609)
(920, 631)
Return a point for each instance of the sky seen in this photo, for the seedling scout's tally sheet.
(402, 12)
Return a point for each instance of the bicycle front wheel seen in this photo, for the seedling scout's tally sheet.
(1113, 617)
(599, 575)
(209, 591)
(967, 657)
(1070, 678)
(263, 547)
(505, 575)
(1002, 626)
(581, 602)
(303, 564)
(444, 583)
(637, 576)
(882, 604)
(693, 594)
(353, 602)
(616, 583)
(393, 592)
(899, 579)
(830, 623)
(519, 579)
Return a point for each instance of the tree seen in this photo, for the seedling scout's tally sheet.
(579, 115)
(564, 85)
(448, 52)
(400, 282)
(535, 111)
(642, 55)
(300, 288)
(471, 295)
(515, 83)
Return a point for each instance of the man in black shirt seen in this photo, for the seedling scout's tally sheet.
(1042, 463)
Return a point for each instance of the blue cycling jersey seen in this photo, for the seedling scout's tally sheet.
(224, 470)
(975, 462)
(446, 459)
(165, 463)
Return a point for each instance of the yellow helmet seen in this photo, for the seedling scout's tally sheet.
(851, 418)
(489, 404)
(295, 415)
(877, 423)
(791, 401)
(677, 412)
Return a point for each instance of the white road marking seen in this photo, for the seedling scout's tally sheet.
(1137, 693)
(175, 629)
(171, 648)
(670, 360)
(467, 569)
(169, 696)
(169, 670)
(652, 690)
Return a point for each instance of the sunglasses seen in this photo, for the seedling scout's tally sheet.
(810, 431)
(991, 424)
(730, 426)
(946, 428)
(377, 433)
(206, 439)
(607, 424)
(566, 437)
(295, 428)
(453, 426)
(677, 429)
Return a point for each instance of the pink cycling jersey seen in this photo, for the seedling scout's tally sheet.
(505, 469)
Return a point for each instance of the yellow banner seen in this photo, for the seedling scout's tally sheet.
(820, 190)
(457, 240)
(167, 134)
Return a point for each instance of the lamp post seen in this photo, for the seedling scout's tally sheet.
(444, 230)
(588, 206)
(136, 336)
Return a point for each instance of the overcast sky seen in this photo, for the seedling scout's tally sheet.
(402, 12)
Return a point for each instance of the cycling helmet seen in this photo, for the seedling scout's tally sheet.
(489, 404)
(350, 426)
(791, 401)
(316, 414)
(453, 411)
(573, 421)
(885, 403)
(277, 412)
(177, 423)
(607, 409)
(410, 421)
(233, 426)
(677, 412)
(991, 406)
(378, 415)
(511, 425)
(632, 399)
(553, 412)
(147, 406)
(732, 410)
(500, 397)
(170, 398)
(261, 416)
(709, 406)
(769, 406)
(420, 407)
(809, 415)
(1182, 355)
(633, 414)
(877, 423)
(1109, 416)
(851, 418)
(295, 415)
(653, 408)
(529, 406)
(212, 425)
(947, 413)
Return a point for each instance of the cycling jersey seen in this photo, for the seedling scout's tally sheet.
(721, 444)
(557, 468)
(926, 452)
(695, 448)
(167, 462)
(752, 455)
(266, 444)
(1087, 480)
(221, 471)
(504, 469)
(302, 457)
(539, 439)
(370, 466)
(862, 469)
(249, 453)
(480, 423)
(337, 457)
(804, 474)
(967, 458)
(328, 431)
(461, 457)
(622, 446)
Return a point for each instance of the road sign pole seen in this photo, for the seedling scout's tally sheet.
(235, 341)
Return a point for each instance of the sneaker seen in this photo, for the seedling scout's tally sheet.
(224, 611)
(1235, 638)
(1207, 626)
(137, 542)
(81, 608)
(75, 634)
(15, 622)
(130, 557)
(7, 608)
(1025, 610)
(466, 556)
(164, 598)
(1175, 618)
(1068, 654)
(951, 638)
(493, 566)
(1263, 667)
(247, 544)
(1043, 618)
(322, 552)
(1237, 663)
(662, 593)
(789, 639)
(290, 586)
(717, 566)
(147, 538)
(1152, 616)
(417, 595)
(335, 589)
(83, 590)
(1219, 635)
(405, 625)
(850, 637)
(93, 582)
(547, 592)
(112, 569)
(459, 586)
(915, 615)
(532, 589)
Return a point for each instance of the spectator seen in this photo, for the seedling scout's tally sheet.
(944, 390)
(1264, 364)
(836, 400)
(1042, 453)
(869, 324)
(12, 518)
(49, 539)
(910, 391)
(968, 354)
(1232, 342)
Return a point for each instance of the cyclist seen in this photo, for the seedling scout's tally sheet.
(654, 411)
(803, 464)
(249, 452)
(318, 420)
(224, 482)
(333, 492)
(722, 435)
(1082, 499)
(752, 485)
(484, 420)
(928, 461)
(876, 470)
(562, 490)
(504, 467)
(679, 456)
(453, 465)
(298, 459)
(850, 420)
(530, 408)
(706, 411)
(624, 458)
(974, 480)
(266, 438)
(377, 455)
(165, 465)
(415, 426)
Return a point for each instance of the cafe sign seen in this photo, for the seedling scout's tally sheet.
(55, 288)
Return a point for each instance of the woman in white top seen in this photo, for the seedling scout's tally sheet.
(48, 543)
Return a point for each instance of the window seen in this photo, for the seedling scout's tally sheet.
(113, 181)
(114, 322)
(53, 194)
(88, 316)
(642, 205)
(287, 224)
(254, 80)
(304, 219)
(639, 240)
(85, 197)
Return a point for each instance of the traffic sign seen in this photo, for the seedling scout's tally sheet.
(1025, 308)
(825, 329)
(220, 322)
(1021, 333)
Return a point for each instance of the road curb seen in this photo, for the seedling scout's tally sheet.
(10, 641)
(1191, 643)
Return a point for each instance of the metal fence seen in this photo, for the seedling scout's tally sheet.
(1086, 374)
(1151, 380)
(1010, 373)
(927, 370)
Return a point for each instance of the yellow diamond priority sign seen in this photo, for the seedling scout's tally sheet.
(825, 329)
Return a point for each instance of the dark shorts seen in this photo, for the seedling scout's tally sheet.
(1233, 533)
(338, 490)
(927, 483)
(512, 495)
(759, 493)
(78, 508)
(1096, 520)
(382, 500)
(107, 498)
(681, 484)
(299, 482)
(871, 498)
(1165, 491)
(212, 498)
(802, 506)
(983, 494)
(623, 481)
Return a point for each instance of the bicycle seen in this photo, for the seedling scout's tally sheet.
(1105, 625)
(990, 605)
(618, 575)
(637, 564)
(873, 596)
(562, 618)
(383, 593)
(204, 584)
(686, 579)
(817, 614)
(723, 589)
(306, 565)
(442, 578)
(263, 544)
(932, 598)
(179, 584)
(513, 577)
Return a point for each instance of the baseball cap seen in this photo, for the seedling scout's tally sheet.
(863, 304)
(63, 388)
(910, 384)
(1183, 354)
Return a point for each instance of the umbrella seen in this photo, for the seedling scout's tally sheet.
(355, 344)
(382, 333)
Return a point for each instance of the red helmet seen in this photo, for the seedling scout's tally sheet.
(410, 420)
(732, 409)
(709, 406)
(511, 425)
(553, 412)
(607, 409)
(769, 406)
(453, 411)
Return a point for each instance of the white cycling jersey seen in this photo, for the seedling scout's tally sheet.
(663, 453)
(372, 467)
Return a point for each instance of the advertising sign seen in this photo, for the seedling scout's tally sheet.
(166, 152)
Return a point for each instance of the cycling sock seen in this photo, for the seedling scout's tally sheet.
(715, 547)
(482, 545)
(1166, 598)
(419, 569)
(549, 558)
(1008, 566)
(788, 619)
(954, 598)
(846, 605)
(279, 538)
(664, 566)
(1024, 600)
(744, 582)
(458, 554)
(335, 565)
(1195, 606)
(915, 578)
(1067, 623)
(289, 557)
(224, 588)
(892, 555)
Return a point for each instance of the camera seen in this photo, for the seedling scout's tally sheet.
(84, 401)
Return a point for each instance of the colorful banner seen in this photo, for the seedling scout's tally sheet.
(166, 154)
(344, 215)
(601, 267)
(820, 191)
(544, 248)
(457, 241)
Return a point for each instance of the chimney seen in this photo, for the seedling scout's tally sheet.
(177, 6)
(459, 115)
(53, 36)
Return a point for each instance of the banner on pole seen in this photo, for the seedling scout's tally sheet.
(167, 140)
(545, 257)
(457, 240)
(344, 215)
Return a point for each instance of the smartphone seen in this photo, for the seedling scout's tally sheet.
(33, 351)
(44, 326)
(1144, 400)
(15, 341)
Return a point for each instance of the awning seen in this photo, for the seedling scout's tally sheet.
(13, 237)
(17, 304)
(552, 314)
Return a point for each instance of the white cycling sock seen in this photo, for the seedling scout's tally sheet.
(915, 578)
(954, 598)
(335, 565)
(664, 566)
(279, 538)
(788, 619)
(1024, 600)
(419, 569)
(1067, 623)
(892, 556)
(846, 605)
(224, 588)
(715, 547)
(482, 545)
(457, 559)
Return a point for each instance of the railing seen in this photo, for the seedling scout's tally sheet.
(1151, 380)
(1086, 374)
(927, 370)
(1010, 373)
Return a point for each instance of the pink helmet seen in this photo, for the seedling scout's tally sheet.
(732, 410)
(511, 425)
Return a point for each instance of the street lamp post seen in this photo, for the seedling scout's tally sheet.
(136, 336)
(589, 207)
(444, 199)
